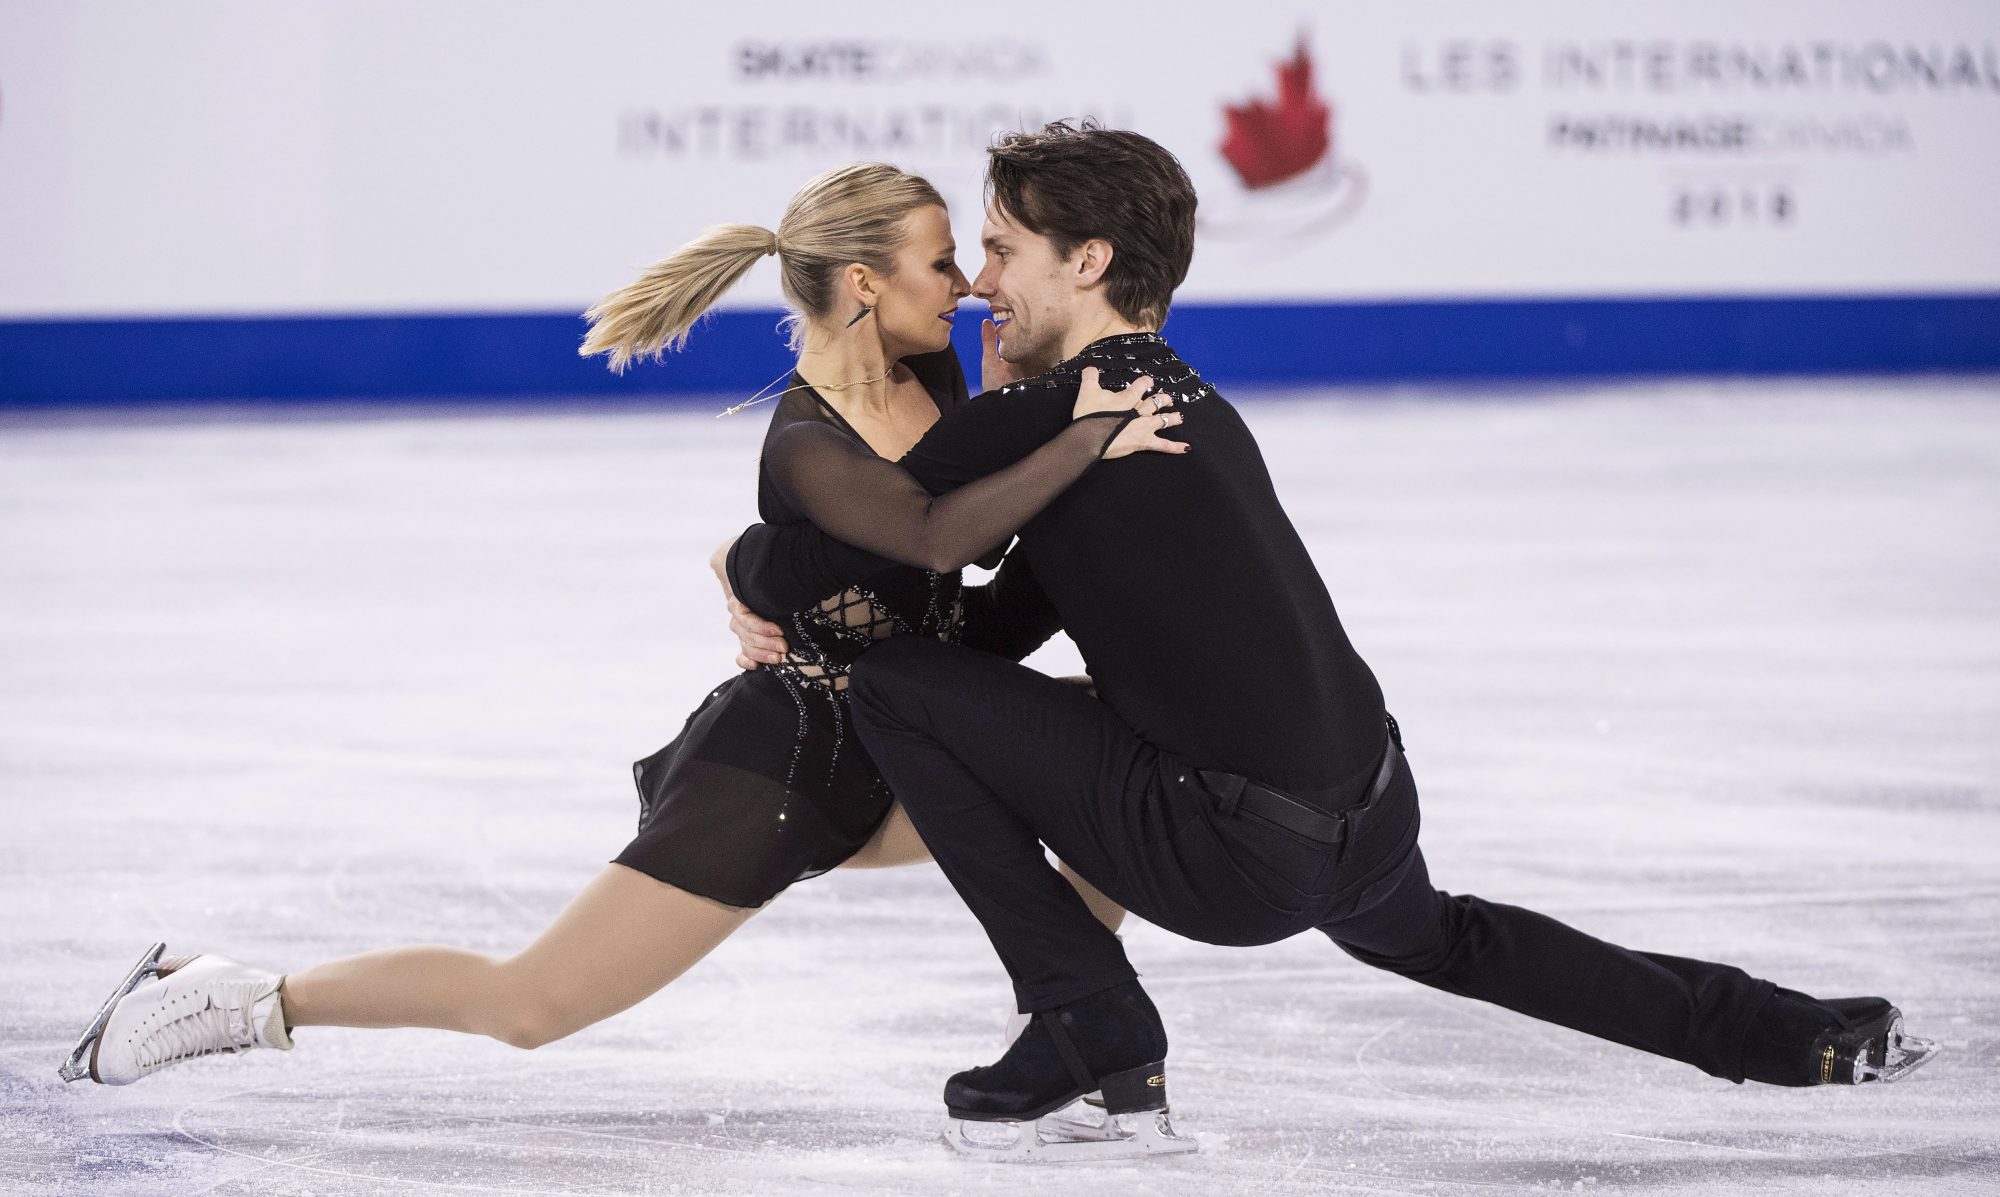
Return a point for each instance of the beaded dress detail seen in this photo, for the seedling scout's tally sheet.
(827, 638)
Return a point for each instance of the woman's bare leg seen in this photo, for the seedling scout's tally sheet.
(1110, 913)
(623, 938)
(896, 842)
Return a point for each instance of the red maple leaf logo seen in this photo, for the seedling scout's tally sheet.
(1269, 143)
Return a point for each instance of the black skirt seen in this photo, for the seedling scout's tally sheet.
(766, 785)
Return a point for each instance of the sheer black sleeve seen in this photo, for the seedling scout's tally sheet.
(780, 568)
(1011, 615)
(856, 496)
(986, 434)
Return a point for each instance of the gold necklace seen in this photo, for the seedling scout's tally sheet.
(761, 397)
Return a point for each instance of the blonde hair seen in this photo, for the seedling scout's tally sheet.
(851, 214)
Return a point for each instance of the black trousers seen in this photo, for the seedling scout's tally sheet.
(993, 760)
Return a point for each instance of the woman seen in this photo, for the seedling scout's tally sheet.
(764, 786)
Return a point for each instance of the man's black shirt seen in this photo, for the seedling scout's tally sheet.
(1196, 607)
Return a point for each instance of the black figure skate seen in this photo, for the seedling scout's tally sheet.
(1111, 1042)
(1868, 1044)
(1799, 1040)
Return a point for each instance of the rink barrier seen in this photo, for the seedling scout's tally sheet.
(528, 356)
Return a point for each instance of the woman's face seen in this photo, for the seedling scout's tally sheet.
(914, 309)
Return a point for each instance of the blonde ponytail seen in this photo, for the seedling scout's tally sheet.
(850, 214)
(653, 314)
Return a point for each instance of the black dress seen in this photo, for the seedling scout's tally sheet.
(766, 783)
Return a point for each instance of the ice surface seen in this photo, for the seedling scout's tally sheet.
(1711, 669)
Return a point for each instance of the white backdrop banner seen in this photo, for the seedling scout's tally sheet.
(350, 157)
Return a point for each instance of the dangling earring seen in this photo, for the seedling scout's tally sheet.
(858, 315)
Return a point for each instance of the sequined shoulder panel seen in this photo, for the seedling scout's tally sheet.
(1119, 359)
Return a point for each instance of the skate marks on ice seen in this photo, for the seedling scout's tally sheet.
(1699, 670)
(452, 1132)
(1828, 1139)
(423, 1139)
(1421, 1092)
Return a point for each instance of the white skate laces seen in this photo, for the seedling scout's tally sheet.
(223, 1028)
(212, 1005)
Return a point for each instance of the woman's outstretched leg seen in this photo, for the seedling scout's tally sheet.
(624, 937)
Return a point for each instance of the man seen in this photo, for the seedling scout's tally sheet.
(1239, 781)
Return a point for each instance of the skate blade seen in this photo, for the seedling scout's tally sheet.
(1136, 1136)
(1081, 1121)
(77, 1066)
(1903, 1054)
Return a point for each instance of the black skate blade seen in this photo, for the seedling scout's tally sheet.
(77, 1066)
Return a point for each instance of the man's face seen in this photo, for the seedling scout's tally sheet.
(1029, 289)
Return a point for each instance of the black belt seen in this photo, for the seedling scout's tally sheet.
(1295, 814)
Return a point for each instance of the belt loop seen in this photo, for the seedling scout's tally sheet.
(1228, 790)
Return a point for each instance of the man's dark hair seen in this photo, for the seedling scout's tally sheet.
(1072, 183)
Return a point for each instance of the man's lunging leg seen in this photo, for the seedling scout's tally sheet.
(1714, 1016)
(989, 849)
(1688, 1010)
(992, 761)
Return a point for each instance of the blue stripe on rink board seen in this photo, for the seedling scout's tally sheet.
(527, 355)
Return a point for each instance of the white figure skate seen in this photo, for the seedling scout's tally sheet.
(167, 1011)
